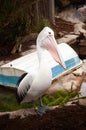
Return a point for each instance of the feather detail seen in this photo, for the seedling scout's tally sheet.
(20, 79)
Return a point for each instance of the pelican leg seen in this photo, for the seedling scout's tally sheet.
(41, 109)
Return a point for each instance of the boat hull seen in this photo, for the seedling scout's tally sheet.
(11, 72)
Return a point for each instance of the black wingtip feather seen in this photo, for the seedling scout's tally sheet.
(20, 79)
(18, 97)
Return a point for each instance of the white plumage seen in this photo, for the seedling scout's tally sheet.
(34, 85)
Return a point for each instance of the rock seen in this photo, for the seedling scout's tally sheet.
(65, 83)
(76, 16)
(81, 13)
(74, 78)
(1, 63)
(83, 94)
(84, 66)
(19, 113)
(82, 72)
(78, 72)
(79, 28)
(69, 38)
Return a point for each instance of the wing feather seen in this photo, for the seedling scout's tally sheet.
(24, 87)
(20, 79)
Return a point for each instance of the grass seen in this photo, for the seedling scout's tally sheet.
(9, 103)
(8, 100)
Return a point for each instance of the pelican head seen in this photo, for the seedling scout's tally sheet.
(46, 40)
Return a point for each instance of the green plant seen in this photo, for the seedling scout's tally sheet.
(8, 100)
(42, 23)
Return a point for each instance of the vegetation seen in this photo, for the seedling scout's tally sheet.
(8, 100)
(17, 19)
(42, 23)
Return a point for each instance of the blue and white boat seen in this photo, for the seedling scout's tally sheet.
(11, 72)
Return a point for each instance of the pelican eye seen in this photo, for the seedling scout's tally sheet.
(49, 32)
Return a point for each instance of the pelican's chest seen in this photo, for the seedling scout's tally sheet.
(44, 78)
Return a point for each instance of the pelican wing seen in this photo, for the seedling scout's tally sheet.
(24, 87)
(20, 79)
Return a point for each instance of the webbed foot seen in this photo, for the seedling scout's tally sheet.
(42, 110)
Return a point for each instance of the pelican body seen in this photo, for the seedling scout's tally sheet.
(34, 85)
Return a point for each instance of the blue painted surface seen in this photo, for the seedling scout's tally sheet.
(56, 71)
(8, 80)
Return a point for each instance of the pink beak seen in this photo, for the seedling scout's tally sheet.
(50, 44)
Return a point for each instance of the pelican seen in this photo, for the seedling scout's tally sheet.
(33, 86)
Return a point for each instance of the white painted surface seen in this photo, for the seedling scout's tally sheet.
(30, 62)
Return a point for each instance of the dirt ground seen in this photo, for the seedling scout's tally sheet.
(66, 118)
